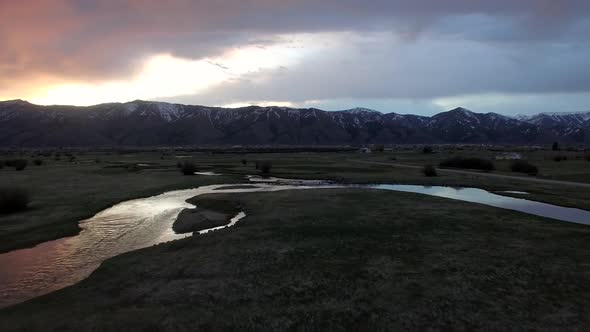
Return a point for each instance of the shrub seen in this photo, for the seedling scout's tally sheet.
(378, 148)
(427, 149)
(244, 161)
(257, 164)
(429, 170)
(1, 164)
(522, 166)
(265, 167)
(38, 162)
(471, 163)
(188, 168)
(13, 199)
(555, 146)
(178, 164)
(559, 157)
(19, 164)
(587, 157)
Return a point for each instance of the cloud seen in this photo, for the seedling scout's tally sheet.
(420, 49)
(383, 66)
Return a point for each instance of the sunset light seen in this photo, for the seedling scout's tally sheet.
(294, 165)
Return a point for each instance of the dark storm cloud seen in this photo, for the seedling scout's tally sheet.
(99, 40)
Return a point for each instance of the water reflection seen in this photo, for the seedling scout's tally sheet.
(127, 226)
(481, 196)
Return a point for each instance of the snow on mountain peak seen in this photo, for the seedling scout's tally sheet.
(167, 111)
(360, 110)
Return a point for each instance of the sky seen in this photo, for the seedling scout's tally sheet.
(421, 56)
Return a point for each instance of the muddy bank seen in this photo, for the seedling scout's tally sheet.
(209, 212)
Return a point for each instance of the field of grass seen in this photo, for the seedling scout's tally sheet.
(64, 193)
(576, 168)
(336, 259)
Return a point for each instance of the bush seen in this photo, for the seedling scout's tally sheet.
(18, 164)
(1, 164)
(559, 157)
(429, 170)
(38, 162)
(265, 167)
(427, 149)
(188, 168)
(522, 166)
(555, 146)
(178, 164)
(244, 161)
(378, 148)
(13, 199)
(587, 157)
(470, 163)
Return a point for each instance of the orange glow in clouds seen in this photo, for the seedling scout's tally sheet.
(164, 75)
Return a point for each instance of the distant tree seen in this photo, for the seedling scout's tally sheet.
(429, 170)
(427, 149)
(38, 162)
(188, 168)
(378, 148)
(523, 166)
(559, 157)
(20, 164)
(244, 161)
(555, 146)
(265, 167)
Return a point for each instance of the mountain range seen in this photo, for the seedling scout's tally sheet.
(148, 123)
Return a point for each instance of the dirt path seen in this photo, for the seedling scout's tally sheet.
(489, 175)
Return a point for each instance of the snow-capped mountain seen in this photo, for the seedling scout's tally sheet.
(548, 120)
(145, 123)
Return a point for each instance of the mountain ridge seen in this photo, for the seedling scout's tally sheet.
(141, 123)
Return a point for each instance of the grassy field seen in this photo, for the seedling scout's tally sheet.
(64, 192)
(339, 259)
(576, 168)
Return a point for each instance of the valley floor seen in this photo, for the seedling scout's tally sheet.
(330, 259)
(64, 192)
(339, 259)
